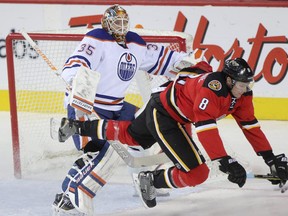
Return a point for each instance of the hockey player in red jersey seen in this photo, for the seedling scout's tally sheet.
(201, 100)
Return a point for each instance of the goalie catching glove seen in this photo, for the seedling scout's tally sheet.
(69, 127)
(236, 172)
(278, 165)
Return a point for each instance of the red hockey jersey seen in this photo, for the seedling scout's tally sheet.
(202, 100)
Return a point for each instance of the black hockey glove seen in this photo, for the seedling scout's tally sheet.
(236, 173)
(278, 166)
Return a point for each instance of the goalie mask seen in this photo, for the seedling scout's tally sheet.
(115, 21)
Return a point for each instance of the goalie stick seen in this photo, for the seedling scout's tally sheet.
(118, 147)
(44, 57)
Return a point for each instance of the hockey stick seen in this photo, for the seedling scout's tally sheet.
(268, 177)
(136, 162)
(44, 57)
(283, 187)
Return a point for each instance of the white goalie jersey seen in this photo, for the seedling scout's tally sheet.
(117, 65)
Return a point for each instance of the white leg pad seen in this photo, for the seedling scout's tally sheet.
(91, 178)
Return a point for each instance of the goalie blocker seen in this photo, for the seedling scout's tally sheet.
(83, 89)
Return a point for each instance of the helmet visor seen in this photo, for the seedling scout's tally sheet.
(244, 86)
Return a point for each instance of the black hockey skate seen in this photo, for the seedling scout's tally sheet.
(147, 189)
(67, 128)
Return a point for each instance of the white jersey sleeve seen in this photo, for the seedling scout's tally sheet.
(160, 60)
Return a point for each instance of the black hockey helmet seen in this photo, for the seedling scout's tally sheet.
(239, 70)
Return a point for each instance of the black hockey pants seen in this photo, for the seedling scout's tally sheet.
(155, 125)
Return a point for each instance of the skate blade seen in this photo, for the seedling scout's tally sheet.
(54, 127)
(56, 211)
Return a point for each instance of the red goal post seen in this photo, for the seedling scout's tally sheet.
(36, 94)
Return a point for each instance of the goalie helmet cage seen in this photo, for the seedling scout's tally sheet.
(36, 94)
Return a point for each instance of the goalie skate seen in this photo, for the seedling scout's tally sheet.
(62, 206)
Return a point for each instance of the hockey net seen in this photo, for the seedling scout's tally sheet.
(36, 95)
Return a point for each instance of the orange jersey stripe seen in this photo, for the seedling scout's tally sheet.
(162, 60)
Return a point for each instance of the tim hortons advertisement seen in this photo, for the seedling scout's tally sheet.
(257, 34)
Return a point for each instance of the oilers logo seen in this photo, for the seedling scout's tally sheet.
(127, 67)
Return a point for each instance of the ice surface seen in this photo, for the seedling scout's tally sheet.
(33, 196)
